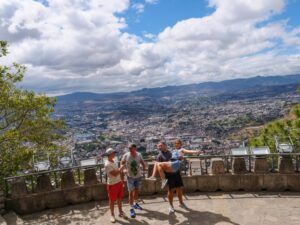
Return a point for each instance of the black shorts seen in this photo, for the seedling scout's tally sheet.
(174, 180)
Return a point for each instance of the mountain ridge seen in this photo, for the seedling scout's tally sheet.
(205, 89)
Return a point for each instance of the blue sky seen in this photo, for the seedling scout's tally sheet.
(291, 12)
(124, 45)
(156, 17)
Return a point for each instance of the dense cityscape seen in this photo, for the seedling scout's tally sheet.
(208, 123)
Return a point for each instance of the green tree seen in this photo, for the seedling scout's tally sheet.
(26, 127)
(284, 129)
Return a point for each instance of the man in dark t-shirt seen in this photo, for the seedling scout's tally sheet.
(174, 179)
(164, 154)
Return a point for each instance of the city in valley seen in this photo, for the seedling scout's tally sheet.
(213, 123)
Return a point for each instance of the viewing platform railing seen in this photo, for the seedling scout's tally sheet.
(195, 165)
(272, 160)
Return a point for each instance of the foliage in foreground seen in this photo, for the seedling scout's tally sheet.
(282, 128)
(25, 124)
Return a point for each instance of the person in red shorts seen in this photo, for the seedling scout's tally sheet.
(115, 187)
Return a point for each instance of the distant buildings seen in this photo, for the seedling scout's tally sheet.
(200, 124)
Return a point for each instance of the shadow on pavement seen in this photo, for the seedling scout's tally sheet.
(191, 217)
(79, 214)
(152, 217)
(203, 218)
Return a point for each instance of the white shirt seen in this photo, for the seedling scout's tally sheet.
(110, 166)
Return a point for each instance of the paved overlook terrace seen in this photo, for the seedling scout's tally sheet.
(259, 208)
(228, 191)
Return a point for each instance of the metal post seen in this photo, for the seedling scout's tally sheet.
(32, 184)
(297, 161)
(200, 161)
(273, 169)
(100, 174)
(55, 179)
(6, 187)
(227, 164)
(205, 162)
(201, 169)
(249, 163)
(78, 173)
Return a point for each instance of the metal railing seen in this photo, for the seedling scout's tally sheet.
(272, 158)
(55, 175)
(204, 165)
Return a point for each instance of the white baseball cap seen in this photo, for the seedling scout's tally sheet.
(110, 151)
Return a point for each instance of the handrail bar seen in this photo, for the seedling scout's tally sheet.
(55, 170)
(186, 157)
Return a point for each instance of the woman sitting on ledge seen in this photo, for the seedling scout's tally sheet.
(174, 165)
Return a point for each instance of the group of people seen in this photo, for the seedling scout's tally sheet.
(167, 166)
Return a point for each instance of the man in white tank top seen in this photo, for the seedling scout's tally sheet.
(115, 187)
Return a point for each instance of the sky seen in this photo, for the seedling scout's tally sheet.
(123, 45)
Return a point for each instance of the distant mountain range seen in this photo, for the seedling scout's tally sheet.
(244, 86)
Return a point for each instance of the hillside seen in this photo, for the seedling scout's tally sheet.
(242, 86)
(289, 126)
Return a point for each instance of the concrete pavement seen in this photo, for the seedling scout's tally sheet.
(261, 208)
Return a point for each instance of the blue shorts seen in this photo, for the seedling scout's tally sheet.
(133, 183)
(175, 166)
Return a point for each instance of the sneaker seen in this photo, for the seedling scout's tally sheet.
(123, 215)
(132, 213)
(137, 206)
(164, 183)
(171, 210)
(112, 219)
(184, 206)
(152, 178)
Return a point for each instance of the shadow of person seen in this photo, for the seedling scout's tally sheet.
(80, 213)
(203, 218)
(157, 216)
(130, 221)
(152, 217)
(191, 217)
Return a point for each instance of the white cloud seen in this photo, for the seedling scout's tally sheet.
(80, 45)
(215, 47)
(139, 7)
(149, 36)
(151, 1)
(245, 10)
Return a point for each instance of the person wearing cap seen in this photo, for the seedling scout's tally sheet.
(132, 161)
(115, 187)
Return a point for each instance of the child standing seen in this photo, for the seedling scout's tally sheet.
(115, 187)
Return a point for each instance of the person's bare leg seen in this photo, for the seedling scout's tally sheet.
(161, 172)
(158, 166)
(171, 197)
(164, 167)
(112, 206)
(154, 170)
(131, 197)
(179, 194)
(136, 194)
(120, 206)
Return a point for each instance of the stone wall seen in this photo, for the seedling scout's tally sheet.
(47, 193)
(47, 197)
